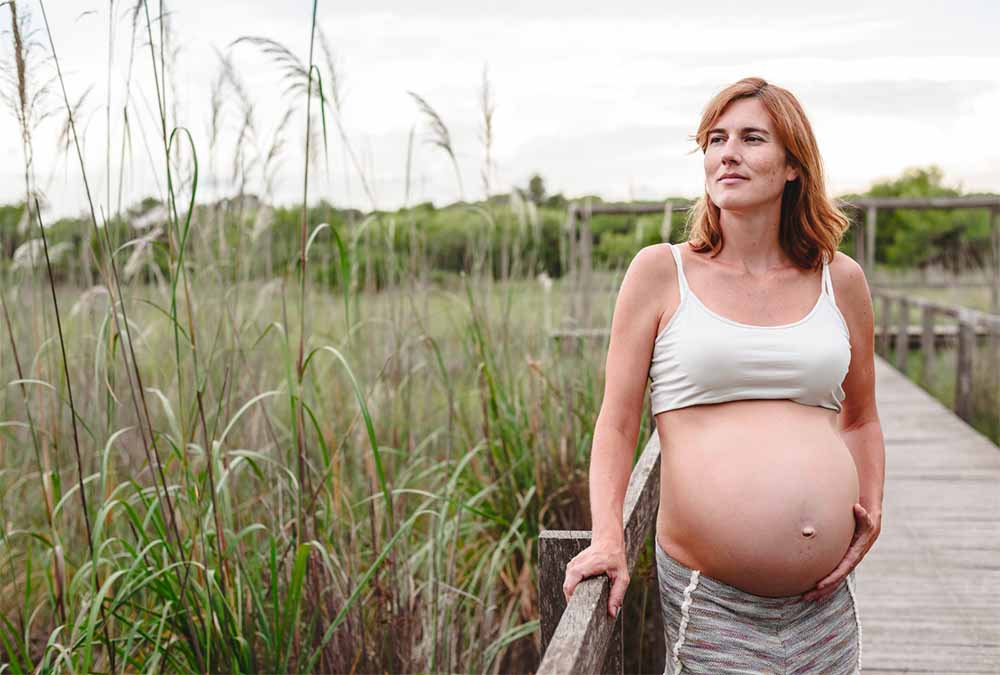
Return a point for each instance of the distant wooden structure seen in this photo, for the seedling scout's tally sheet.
(970, 324)
(864, 247)
(579, 241)
(927, 591)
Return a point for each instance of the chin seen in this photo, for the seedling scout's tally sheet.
(737, 204)
(741, 202)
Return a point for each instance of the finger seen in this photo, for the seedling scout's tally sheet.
(817, 595)
(577, 573)
(861, 513)
(848, 562)
(823, 585)
(617, 594)
(839, 572)
(834, 577)
(569, 584)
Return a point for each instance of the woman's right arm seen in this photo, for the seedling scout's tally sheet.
(633, 331)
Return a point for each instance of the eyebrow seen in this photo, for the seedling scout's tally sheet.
(743, 130)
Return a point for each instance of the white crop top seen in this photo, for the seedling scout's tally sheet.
(701, 357)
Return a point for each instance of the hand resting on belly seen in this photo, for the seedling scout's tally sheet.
(765, 507)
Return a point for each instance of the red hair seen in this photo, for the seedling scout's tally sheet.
(812, 225)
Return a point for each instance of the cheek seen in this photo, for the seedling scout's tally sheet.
(712, 164)
(769, 168)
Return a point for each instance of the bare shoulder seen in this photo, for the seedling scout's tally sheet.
(848, 277)
(852, 293)
(649, 280)
(652, 266)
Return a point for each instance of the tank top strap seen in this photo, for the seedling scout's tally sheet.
(827, 281)
(681, 279)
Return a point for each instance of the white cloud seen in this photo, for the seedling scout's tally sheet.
(598, 101)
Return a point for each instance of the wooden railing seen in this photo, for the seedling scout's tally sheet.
(971, 324)
(581, 637)
(577, 243)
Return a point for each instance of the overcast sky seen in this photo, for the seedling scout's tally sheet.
(597, 97)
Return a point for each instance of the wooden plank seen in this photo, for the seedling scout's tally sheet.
(886, 318)
(901, 340)
(927, 339)
(586, 639)
(929, 590)
(870, 225)
(963, 370)
(963, 202)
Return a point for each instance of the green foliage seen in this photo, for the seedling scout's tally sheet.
(536, 189)
(451, 237)
(909, 238)
(11, 216)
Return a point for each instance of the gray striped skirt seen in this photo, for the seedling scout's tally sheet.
(712, 627)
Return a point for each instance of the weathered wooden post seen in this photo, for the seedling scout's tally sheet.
(586, 266)
(963, 371)
(994, 359)
(859, 244)
(572, 268)
(995, 240)
(927, 344)
(903, 334)
(668, 217)
(555, 549)
(870, 243)
(581, 637)
(886, 320)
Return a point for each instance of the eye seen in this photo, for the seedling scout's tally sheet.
(749, 138)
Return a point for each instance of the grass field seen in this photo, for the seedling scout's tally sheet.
(435, 431)
(438, 440)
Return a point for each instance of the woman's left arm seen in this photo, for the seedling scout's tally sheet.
(858, 421)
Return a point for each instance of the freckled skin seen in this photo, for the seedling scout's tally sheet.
(762, 161)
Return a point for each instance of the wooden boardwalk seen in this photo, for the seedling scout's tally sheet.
(929, 590)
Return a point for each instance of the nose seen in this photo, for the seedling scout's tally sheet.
(729, 154)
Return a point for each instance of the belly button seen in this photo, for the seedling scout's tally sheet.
(808, 531)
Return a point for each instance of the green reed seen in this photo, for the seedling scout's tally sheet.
(265, 477)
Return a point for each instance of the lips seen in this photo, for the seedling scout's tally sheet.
(733, 175)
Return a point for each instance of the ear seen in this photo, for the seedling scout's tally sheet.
(791, 174)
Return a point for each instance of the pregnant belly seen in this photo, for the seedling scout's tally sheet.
(766, 507)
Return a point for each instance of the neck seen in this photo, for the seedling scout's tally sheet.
(751, 239)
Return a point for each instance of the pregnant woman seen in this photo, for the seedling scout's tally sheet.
(757, 337)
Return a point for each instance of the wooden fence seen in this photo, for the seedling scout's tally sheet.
(577, 243)
(971, 324)
(581, 637)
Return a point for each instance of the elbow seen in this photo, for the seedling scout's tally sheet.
(623, 426)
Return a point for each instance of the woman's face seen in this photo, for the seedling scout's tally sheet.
(742, 141)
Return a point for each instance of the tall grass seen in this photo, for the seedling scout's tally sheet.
(260, 476)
